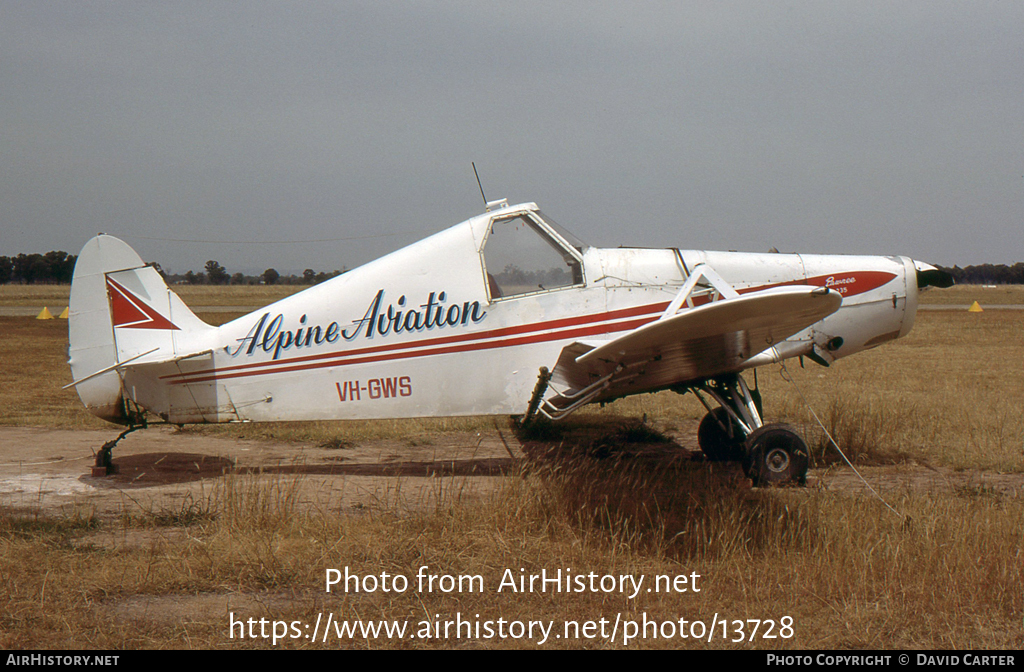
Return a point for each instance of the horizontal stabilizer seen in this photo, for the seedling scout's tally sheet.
(112, 367)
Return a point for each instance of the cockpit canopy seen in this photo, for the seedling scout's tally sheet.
(525, 252)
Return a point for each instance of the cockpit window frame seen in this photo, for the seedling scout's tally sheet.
(553, 237)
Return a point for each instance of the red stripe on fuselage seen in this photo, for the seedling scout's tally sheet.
(348, 358)
(289, 364)
(600, 323)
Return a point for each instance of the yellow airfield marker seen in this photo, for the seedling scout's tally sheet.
(45, 314)
(64, 313)
(975, 308)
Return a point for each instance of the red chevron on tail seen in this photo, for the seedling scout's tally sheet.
(130, 312)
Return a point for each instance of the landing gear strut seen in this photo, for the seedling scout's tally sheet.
(772, 454)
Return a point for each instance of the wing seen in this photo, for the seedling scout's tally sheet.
(694, 344)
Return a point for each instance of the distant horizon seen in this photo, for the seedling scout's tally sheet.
(252, 272)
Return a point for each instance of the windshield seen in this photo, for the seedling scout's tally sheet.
(563, 232)
(520, 258)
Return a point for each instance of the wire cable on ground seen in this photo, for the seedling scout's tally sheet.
(789, 379)
(36, 464)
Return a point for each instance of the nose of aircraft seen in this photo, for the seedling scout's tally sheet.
(929, 276)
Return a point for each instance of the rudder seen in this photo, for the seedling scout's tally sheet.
(121, 310)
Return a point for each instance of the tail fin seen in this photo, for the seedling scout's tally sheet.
(122, 311)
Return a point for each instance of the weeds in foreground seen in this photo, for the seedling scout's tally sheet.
(252, 546)
(863, 433)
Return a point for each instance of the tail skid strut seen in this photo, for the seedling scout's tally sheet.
(105, 457)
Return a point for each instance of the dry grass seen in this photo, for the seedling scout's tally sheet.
(35, 367)
(849, 572)
(235, 295)
(193, 295)
(986, 295)
(948, 394)
(35, 296)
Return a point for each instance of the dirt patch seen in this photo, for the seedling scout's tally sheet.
(48, 470)
(159, 468)
(918, 478)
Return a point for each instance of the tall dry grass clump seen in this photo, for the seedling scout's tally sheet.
(654, 497)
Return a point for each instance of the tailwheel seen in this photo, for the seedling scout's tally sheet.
(776, 455)
(720, 437)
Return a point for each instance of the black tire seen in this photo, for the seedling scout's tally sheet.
(776, 455)
(715, 442)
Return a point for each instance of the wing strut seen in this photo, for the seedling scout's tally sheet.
(723, 290)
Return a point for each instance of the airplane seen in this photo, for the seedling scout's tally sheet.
(506, 314)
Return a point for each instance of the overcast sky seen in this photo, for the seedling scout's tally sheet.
(847, 127)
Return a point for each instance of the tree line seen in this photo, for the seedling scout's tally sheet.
(552, 277)
(215, 274)
(52, 268)
(57, 268)
(988, 274)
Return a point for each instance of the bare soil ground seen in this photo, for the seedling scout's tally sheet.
(49, 470)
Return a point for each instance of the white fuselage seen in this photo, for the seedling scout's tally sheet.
(418, 332)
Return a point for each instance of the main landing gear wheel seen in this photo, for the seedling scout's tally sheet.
(776, 455)
(717, 444)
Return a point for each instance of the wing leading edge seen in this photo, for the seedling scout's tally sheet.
(694, 344)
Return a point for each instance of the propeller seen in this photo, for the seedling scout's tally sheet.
(929, 276)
